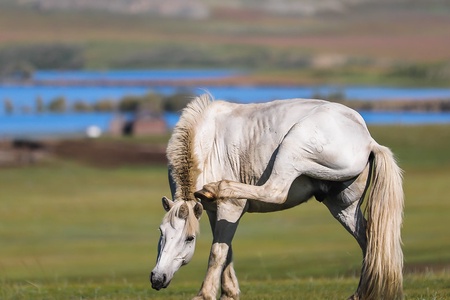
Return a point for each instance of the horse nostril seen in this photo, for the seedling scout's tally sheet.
(151, 277)
(158, 280)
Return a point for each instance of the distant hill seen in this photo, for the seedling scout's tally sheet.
(199, 9)
(194, 9)
(395, 42)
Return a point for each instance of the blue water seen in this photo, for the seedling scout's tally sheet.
(234, 93)
(405, 118)
(25, 122)
(52, 125)
(130, 75)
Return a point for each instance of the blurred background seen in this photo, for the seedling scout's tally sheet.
(89, 93)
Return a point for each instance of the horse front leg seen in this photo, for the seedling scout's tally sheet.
(211, 283)
(230, 285)
(220, 267)
(275, 191)
(217, 273)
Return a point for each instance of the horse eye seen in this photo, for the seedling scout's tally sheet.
(190, 238)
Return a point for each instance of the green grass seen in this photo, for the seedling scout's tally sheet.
(70, 231)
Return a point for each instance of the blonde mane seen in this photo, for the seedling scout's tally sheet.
(182, 161)
(192, 224)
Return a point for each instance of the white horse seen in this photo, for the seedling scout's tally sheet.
(232, 158)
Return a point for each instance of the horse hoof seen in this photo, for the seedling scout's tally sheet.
(204, 195)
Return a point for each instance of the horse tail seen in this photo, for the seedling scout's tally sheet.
(382, 272)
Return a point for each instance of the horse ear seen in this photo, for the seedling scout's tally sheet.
(167, 203)
(184, 211)
(198, 210)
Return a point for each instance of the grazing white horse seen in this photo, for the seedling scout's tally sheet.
(229, 159)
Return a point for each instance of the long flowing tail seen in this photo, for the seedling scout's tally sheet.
(382, 272)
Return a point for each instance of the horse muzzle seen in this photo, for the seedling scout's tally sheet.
(159, 281)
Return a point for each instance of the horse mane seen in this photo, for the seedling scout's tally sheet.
(180, 149)
(192, 224)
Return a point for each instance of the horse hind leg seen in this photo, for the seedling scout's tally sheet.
(345, 207)
(344, 201)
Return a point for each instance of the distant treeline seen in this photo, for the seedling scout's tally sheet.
(156, 104)
(150, 103)
(436, 105)
(20, 61)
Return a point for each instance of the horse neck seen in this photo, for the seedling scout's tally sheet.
(181, 152)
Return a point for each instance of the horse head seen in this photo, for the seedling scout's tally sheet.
(177, 241)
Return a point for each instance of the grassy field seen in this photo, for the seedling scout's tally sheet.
(71, 231)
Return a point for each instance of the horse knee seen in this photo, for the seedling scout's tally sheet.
(351, 217)
(218, 255)
(274, 193)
